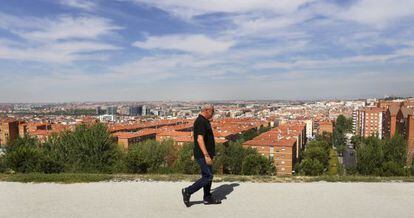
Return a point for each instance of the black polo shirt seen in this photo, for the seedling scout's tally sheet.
(202, 127)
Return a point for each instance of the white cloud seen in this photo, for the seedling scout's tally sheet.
(61, 40)
(184, 8)
(378, 12)
(68, 27)
(81, 4)
(188, 43)
(337, 62)
(58, 28)
(55, 52)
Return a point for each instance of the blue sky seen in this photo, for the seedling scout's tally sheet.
(79, 50)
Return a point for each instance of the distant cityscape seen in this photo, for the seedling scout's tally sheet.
(285, 126)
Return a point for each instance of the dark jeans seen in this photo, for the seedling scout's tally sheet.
(205, 180)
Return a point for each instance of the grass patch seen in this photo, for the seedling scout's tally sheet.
(333, 163)
(67, 178)
(57, 178)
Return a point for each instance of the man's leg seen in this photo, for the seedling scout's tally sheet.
(206, 177)
(208, 197)
(207, 188)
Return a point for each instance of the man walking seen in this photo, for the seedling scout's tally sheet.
(204, 152)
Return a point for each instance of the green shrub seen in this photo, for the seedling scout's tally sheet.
(385, 157)
(24, 159)
(87, 149)
(184, 163)
(391, 168)
(255, 164)
(150, 156)
(317, 153)
(2, 164)
(218, 162)
(311, 167)
(233, 156)
(49, 165)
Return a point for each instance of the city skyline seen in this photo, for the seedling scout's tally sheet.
(139, 50)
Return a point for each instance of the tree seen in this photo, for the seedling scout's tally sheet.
(26, 155)
(2, 164)
(392, 168)
(370, 156)
(311, 167)
(412, 167)
(317, 153)
(385, 157)
(234, 154)
(87, 149)
(255, 164)
(150, 156)
(184, 163)
(395, 149)
(24, 159)
(325, 137)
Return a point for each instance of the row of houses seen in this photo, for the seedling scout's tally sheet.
(224, 130)
(11, 129)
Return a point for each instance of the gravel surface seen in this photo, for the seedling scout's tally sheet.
(163, 199)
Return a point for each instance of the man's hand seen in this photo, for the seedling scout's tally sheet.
(209, 161)
(192, 157)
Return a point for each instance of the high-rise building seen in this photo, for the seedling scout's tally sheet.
(23, 129)
(309, 129)
(135, 110)
(99, 111)
(124, 111)
(144, 110)
(370, 122)
(112, 110)
(393, 121)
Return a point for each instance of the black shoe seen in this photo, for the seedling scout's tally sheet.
(186, 197)
(211, 200)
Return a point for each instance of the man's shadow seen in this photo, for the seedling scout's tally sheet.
(221, 192)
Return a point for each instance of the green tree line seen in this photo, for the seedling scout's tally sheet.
(382, 157)
(92, 149)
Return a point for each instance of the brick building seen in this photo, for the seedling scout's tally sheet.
(282, 145)
(126, 139)
(370, 122)
(393, 121)
(282, 152)
(325, 126)
(9, 131)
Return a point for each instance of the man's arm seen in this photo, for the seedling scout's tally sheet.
(202, 146)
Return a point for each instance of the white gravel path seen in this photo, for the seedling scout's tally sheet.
(163, 199)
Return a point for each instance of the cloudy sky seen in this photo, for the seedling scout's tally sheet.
(79, 50)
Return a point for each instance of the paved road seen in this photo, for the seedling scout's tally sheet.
(349, 157)
(163, 199)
